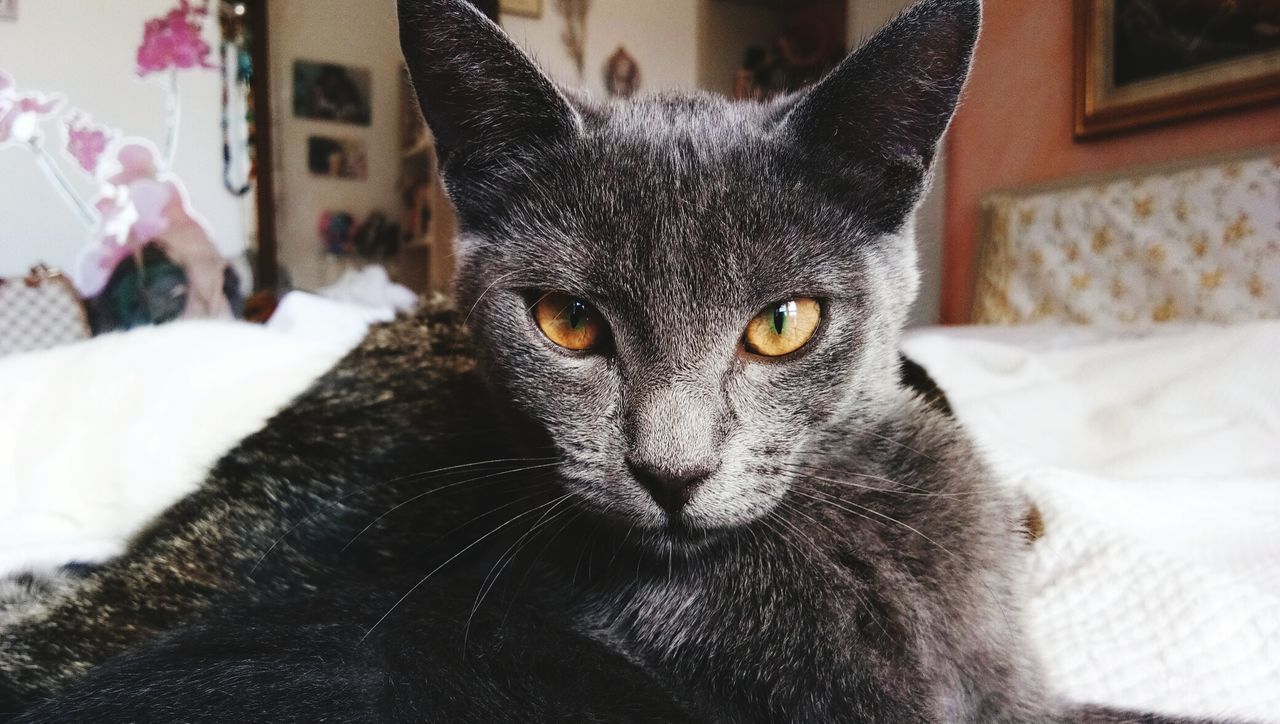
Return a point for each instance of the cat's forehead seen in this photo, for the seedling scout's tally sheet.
(692, 193)
(677, 122)
(653, 224)
(687, 197)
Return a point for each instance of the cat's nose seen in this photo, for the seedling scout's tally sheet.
(671, 488)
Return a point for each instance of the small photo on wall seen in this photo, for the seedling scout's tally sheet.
(343, 158)
(331, 92)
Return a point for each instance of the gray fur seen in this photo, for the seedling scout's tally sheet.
(25, 594)
(846, 559)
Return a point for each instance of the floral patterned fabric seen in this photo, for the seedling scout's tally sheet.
(1198, 244)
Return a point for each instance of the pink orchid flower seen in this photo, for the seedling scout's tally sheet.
(140, 205)
(99, 260)
(135, 161)
(22, 113)
(116, 215)
(124, 225)
(86, 142)
(153, 201)
(173, 41)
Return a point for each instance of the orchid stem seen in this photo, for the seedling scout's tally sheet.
(173, 110)
(60, 182)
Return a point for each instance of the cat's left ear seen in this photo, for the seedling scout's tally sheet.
(480, 94)
(880, 114)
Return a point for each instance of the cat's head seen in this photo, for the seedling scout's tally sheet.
(683, 291)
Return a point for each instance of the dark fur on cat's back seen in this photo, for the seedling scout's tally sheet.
(844, 557)
(758, 646)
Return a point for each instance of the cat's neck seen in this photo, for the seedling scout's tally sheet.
(757, 610)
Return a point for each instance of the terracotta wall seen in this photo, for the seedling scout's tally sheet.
(1014, 128)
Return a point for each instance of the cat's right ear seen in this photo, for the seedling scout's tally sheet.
(879, 115)
(480, 94)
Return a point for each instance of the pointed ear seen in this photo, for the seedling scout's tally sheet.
(877, 118)
(480, 94)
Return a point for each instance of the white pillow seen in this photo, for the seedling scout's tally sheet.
(98, 437)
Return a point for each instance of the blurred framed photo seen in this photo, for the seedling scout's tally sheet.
(8, 9)
(1141, 62)
(331, 92)
(343, 158)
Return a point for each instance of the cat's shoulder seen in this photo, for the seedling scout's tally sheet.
(915, 434)
(426, 349)
(435, 335)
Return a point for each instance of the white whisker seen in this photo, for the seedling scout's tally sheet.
(425, 493)
(919, 492)
(499, 566)
(451, 559)
(421, 476)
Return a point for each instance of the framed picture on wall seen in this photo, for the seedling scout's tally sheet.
(8, 9)
(332, 92)
(1140, 62)
(343, 158)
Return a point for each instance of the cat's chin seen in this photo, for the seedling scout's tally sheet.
(686, 535)
(680, 530)
(648, 527)
(659, 533)
(679, 537)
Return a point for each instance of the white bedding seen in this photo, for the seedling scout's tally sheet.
(1155, 462)
(97, 438)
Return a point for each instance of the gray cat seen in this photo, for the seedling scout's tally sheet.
(682, 387)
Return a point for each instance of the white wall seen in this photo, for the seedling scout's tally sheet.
(85, 50)
(361, 34)
(662, 35)
(865, 18)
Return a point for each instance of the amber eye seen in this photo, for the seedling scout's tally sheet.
(782, 328)
(569, 321)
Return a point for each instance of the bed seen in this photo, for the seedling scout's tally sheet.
(1143, 426)
(1122, 373)
(1153, 459)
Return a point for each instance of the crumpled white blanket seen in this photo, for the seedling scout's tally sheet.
(1155, 461)
(371, 287)
(96, 438)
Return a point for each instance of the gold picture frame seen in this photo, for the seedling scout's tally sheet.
(1104, 106)
(526, 8)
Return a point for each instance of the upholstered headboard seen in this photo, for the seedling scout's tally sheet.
(1195, 242)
